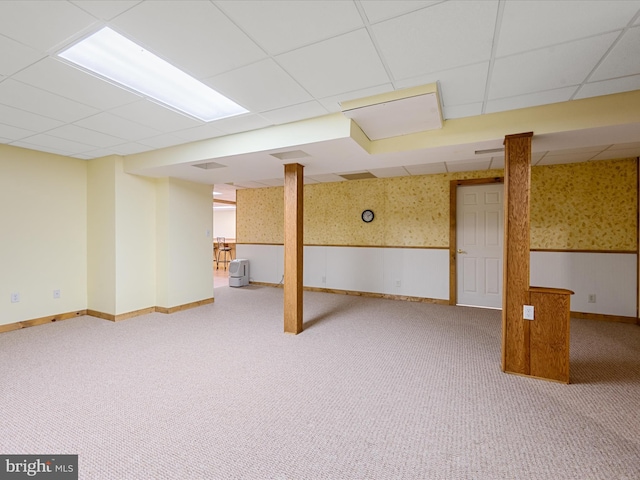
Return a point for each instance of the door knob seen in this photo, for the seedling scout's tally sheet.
(461, 251)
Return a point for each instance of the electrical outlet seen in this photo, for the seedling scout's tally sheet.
(56, 294)
(324, 279)
(398, 283)
(527, 312)
(15, 297)
(592, 298)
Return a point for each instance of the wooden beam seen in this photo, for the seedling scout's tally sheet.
(517, 186)
(293, 247)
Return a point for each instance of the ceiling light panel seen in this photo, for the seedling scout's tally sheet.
(109, 55)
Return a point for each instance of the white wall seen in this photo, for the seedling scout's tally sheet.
(425, 273)
(43, 238)
(224, 223)
(396, 271)
(610, 276)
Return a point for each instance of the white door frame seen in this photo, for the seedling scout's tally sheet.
(453, 203)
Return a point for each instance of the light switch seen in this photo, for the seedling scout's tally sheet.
(527, 312)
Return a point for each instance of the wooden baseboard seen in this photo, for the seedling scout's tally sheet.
(186, 306)
(41, 321)
(146, 311)
(605, 318)
(388, 296)
(105, 316)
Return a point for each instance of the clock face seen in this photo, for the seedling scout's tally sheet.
(367, 216)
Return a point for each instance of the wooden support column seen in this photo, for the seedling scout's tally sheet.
(293, 247)
(517, 185)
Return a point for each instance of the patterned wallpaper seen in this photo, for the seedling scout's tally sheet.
(586, 206)
(260, 215)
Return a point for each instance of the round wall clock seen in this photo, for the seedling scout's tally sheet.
(367, 216)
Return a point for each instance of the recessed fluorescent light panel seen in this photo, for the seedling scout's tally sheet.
(111, 56)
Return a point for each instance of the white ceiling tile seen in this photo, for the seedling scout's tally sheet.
(10, 133)
(199, 133)
(309, 181)
(469, 165)
(567, 158)
(273, 182)
(29, 121)
(31, 99)
(31, 23)
(148, 113)
(85, 136)
(295, 113)
(460, 111)
(332, 103)
(241, 123)
(41, 148)
(57, 77)
(535, 157)
(389, 172)
(548, 68)
(110, 124)
(377, 10)
(621, 60)
(260, 86)
(193, 35)
(251, 184)
(625, 146)
(328, 178)
(428, 44)
(58, 144)
(498, 162)
(607, 87)
(15, 56)
(339, 65)
(614, 154)
(162, 141)
(426, 169)
(530, 100)
(280, 26)
(97, 153)
(458, 86)
(105, 9)
(129, 149)
(577, 151)
(528, 25)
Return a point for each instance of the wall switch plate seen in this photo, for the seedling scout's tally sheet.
(527, 312)
(15, 297)
(56, 294)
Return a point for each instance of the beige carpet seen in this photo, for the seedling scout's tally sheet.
(372, 389)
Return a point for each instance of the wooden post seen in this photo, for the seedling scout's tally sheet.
(293, 247)
(517, 185)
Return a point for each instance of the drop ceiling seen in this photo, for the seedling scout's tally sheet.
(288, 61)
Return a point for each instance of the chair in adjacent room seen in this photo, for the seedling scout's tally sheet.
(223, 249)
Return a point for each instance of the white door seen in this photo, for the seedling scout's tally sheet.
(479, 238)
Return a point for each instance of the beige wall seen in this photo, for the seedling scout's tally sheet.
(108, 240)
(184, 251)
(135, 241)
(43, 239)
(101, 235)
(579, 206)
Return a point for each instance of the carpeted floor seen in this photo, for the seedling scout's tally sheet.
(372, 389)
